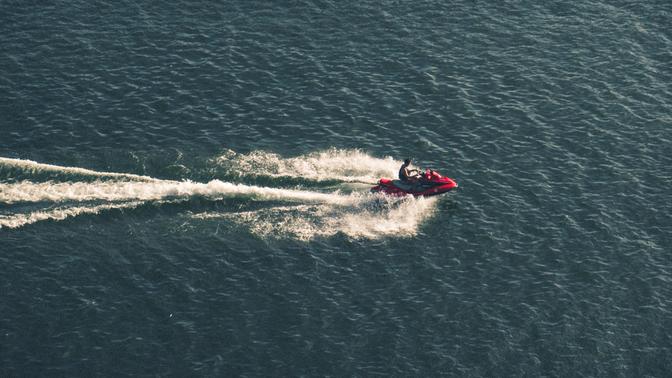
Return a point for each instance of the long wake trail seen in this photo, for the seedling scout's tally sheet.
(27, 198)
(32, 167)
(26, 192)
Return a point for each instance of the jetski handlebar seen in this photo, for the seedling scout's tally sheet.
(423, 172)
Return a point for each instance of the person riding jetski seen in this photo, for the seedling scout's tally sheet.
(415, 183)
(408, 175)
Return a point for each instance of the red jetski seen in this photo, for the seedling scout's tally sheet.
(428, 184)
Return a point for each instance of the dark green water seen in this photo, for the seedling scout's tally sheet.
(184, 188)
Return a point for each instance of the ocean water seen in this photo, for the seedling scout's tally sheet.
(184, 188)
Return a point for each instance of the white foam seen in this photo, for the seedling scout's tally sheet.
(332, 164)
(22, 219)
(400, 218)
(35, 167)
(315, 214)
(27, 191)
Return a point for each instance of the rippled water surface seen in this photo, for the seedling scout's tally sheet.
(184, 188)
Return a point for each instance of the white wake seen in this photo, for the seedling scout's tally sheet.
(23, 219)
(332, 164)
(27, 191)
(305, 215)
(30, 166)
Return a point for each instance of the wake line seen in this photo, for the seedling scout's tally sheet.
(27, 191)
(351, 166)
(20, 220)
(32, 166)
(305, 214)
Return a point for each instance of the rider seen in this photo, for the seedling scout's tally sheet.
(408, 175)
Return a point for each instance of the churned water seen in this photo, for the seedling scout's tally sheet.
(184, 188)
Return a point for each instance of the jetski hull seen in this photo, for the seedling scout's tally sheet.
(430, 184)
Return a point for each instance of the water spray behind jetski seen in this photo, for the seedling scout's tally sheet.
(348, 166)
(33, 192)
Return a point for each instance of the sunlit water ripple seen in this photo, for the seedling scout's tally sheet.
(184, 188)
